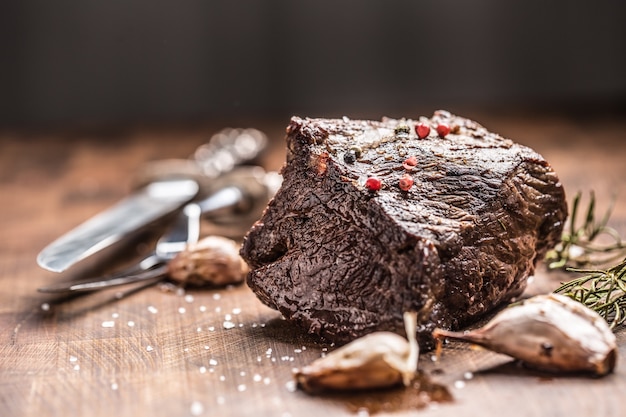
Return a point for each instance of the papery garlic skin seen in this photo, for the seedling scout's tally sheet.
(380, 359)
(549, 332)
(213, 260)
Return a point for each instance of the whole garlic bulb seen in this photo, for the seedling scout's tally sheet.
(548, 332)
(213, 260)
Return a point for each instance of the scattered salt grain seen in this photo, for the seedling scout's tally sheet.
(228, 317)
(202, 369)
(257, 378)
(266, 380)
(211, 328)
(73, 358)
(241, 387)
(149, 348)
(153, 309)
(206, 347)
(222, 378)
(229, 325)
(131, 323)
(202, 309)
(362, 412)
(182, 310)
(236, 311)
(216, 296)
(242, 373)
(221, 400)
(291, 386)
(77, 367)
(459, 384)
(212, 362)
(468, 375)
(108, 324)
(114, 386)
(45, 307)
(189, 298)
(196, 408)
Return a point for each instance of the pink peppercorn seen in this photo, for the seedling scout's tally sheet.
(422, 130)
(373, 184)
(443, 130)
(410, 163)
(406, 182)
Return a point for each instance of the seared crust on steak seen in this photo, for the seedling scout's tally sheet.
(342, 260)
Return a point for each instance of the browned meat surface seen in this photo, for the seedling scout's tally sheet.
(342, 259)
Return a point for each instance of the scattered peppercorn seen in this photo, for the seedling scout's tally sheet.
(349, 157)
(402, 130)
(410, 163)
(357, 151)
(406, 182)
(422, 130)
(443, 130)
(373, 184)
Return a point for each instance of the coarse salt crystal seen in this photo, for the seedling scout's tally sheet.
(291, 386)
(153, 309)
(108, 324)
(196, 408)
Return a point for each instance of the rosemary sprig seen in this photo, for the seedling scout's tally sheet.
(593, 243)
(602, 290)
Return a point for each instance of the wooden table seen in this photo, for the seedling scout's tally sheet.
(220, 352)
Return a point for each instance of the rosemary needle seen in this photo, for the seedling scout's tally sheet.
(593, 243)
(601, 290)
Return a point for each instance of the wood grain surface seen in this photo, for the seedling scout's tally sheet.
(160, 351)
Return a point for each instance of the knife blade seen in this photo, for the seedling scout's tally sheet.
(146, 205)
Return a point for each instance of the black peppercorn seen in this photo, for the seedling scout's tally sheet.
(349, 157)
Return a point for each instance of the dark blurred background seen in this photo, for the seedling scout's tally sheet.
(121, 61)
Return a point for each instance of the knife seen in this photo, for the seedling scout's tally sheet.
(146, 205)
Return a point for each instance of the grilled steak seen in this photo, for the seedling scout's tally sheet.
(372, 221)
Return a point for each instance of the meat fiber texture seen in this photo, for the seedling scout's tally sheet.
(341, 260)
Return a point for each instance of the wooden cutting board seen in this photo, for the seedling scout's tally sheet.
(162, 351)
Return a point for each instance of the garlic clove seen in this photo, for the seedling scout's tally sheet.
(213, 260)
(548, 332)
(380, 359)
